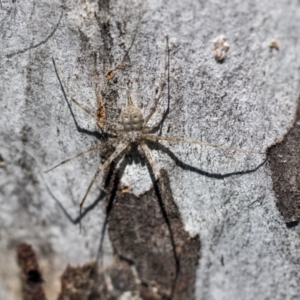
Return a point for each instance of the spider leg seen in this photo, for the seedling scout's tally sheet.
(67, 93)
(106, 144)
(156, 172)
(115, 126)
(161, 88)
(179, 139)
(147, 153)
(155, 127)
(117, 152)
(164, 209)
(121, 64)
(135, 34)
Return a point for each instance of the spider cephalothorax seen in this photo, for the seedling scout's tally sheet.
(132, 122)
(131, 117)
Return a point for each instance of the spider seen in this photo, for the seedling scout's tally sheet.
(132, 132)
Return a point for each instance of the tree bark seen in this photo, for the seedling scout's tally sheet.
(210, 227)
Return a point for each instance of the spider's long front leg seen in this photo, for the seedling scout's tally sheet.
(155, 126)
(69, 95)
(121, 64)
(179, 139)
(117, 152)
(161, 88)
(114, 126)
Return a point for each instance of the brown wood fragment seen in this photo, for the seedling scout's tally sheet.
(81, 283)
(109, 74)
(101, 112)
(31, 277)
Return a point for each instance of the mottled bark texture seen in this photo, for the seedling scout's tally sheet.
(215, 225)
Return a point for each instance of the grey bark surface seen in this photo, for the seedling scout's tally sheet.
(248, 101)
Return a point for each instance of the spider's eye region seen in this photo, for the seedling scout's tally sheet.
(126, 118)
(137, 118)
(132, 118)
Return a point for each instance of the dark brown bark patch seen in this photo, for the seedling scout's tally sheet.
(82, 283)
(164, 260)
(284, 160)
(31, 276)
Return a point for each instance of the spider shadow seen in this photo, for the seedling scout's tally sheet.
(129, 159)
(76, 220)
(112, 182)
(114, 176)
(80, 129)
(158, 146)
(111, 185)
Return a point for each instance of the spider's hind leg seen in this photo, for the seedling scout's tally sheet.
(115, 154)
(165, 211)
